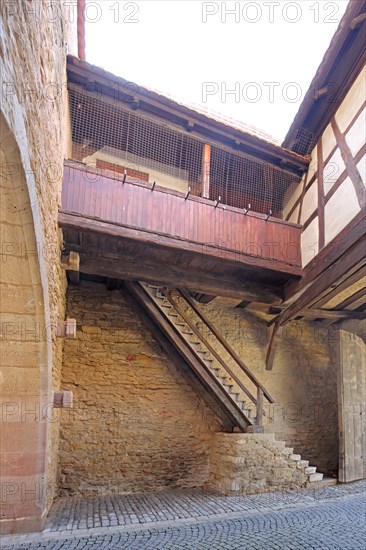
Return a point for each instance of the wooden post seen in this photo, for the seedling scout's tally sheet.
(259, 406)
(206, 160)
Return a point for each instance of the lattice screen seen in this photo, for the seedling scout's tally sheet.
(111, 136)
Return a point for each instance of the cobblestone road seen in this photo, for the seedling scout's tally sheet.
(335, 522)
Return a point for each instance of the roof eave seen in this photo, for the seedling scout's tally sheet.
(338, 70)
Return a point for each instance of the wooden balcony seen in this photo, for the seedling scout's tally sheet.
(134, 231)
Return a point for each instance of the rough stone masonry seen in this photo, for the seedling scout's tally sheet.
(139, 425)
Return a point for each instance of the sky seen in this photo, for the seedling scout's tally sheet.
(252, 61)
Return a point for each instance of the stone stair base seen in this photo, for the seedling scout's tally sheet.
(253, 463)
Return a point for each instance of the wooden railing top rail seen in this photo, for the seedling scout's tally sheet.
(225, 344)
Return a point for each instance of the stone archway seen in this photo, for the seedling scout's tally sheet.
(25, 372)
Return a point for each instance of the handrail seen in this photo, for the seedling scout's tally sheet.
(228, 348)
(208, 345)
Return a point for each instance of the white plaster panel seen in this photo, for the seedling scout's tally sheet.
(333, 170)
(313, 166)
(294, 215)
(341, 208)
(310, 242)
(177, 179)
(355, 137)
(292, 194)
(328, 141)
(361, 167)
(310, 202)
(352, 102)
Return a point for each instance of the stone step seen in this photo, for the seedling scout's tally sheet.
(325, 482)
(280, 444)
(287, 451)
(315, 477)
(303, 464)
(310, 470)
(270, 436)
(294, 457)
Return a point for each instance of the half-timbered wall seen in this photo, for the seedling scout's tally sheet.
(332, 192)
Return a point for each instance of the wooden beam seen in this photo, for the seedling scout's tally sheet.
(273, 344)
(357, 21)
(352, 259)
(303, 191)
(71, 263)
(355, 300)
(350, 163)
(354, 278)
(321, 199)
(97, 227)
(326, 257)
(175, 276)
(332, 314)
(206, 163)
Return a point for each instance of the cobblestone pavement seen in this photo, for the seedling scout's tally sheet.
(328, 518)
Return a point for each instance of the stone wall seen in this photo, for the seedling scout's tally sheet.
(35, 38)
(303, 381)
(137, 423)
(252, 463)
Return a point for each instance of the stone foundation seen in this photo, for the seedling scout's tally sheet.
(252, 463)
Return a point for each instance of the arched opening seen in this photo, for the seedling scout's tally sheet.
(26, 352)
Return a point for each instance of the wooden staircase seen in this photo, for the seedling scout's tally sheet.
(177, 315)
